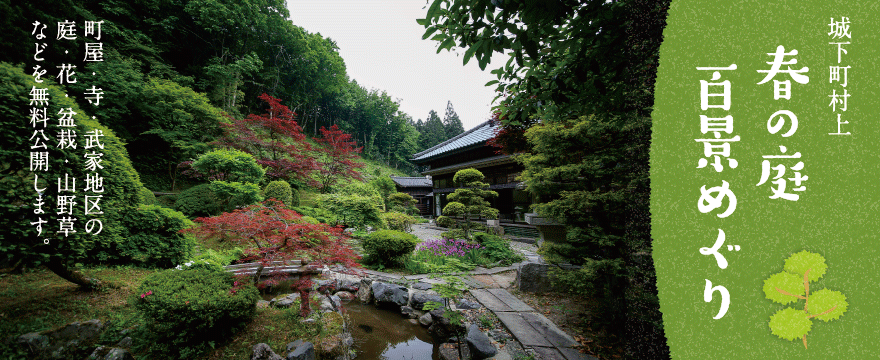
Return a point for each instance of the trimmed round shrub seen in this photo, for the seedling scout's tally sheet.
(454, 208)
(154, 239)
(490, 213)
(187, 310)
(389, 245)
(230, 165)
(197, 201)
(146, 196)
(279, 190)
(467, 175)
(399, 198)
(445, 222)
(399, 221)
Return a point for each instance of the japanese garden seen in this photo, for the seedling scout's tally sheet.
(211, 183)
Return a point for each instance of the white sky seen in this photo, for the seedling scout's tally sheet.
(382, 46)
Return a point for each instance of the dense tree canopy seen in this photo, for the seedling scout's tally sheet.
(173, 66)
(586, 70)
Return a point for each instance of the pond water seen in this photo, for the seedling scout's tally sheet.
(387, 335)
(381, 333)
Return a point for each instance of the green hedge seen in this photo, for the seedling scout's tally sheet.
(387, 246)
(154, 239)
(186, 311)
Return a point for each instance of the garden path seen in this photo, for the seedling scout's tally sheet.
(488, 286)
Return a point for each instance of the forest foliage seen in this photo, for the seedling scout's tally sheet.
(176, 73)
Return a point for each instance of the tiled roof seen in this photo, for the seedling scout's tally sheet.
(411, 181)
(479, 134)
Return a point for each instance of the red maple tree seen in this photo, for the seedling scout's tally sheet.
(273, 234)
(275, 140)
(338, 160)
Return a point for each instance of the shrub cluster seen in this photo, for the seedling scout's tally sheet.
(154, 239)
(188, 310)
(445, 221)
(399, 221)
(279, 190)
(388, 246)
(146, 196)
(166, 201)
(197, 201)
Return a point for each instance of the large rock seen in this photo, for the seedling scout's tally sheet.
(422, 286)
(105, 353)
(426, 319)
(345, 295)
(293, 345)
(441, 327)
(303, 351)
(63, 343)
(479, 344)
(325, 286)
(331, 303)
(347, 282)
(365, 292)
(285, 301)
(532, 277)
(336, 345)
(390, 293)
(420, 298)
(449, 351)
(465, 304)
(262, 351)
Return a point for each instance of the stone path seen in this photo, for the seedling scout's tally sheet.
(531, 329)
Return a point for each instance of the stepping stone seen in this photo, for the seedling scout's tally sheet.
(505, 280)
(549, 353)
(522, 330)
(433, 281)
(500, 269)
(573, 354)
(510, 300)
(485, 280)
(490, 301)
(473, 284)
(556, 336)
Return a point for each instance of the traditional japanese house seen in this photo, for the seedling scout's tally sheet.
(470, 150)
(417, 187)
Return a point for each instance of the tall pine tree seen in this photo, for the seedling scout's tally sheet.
(451, 123)
(433, 133)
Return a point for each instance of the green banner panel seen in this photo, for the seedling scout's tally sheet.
(765, 171)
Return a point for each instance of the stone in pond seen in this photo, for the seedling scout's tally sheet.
(426, 319)
(479, 344)
(304, 351)
(420, 298)
(365, 292)
(390, 293)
